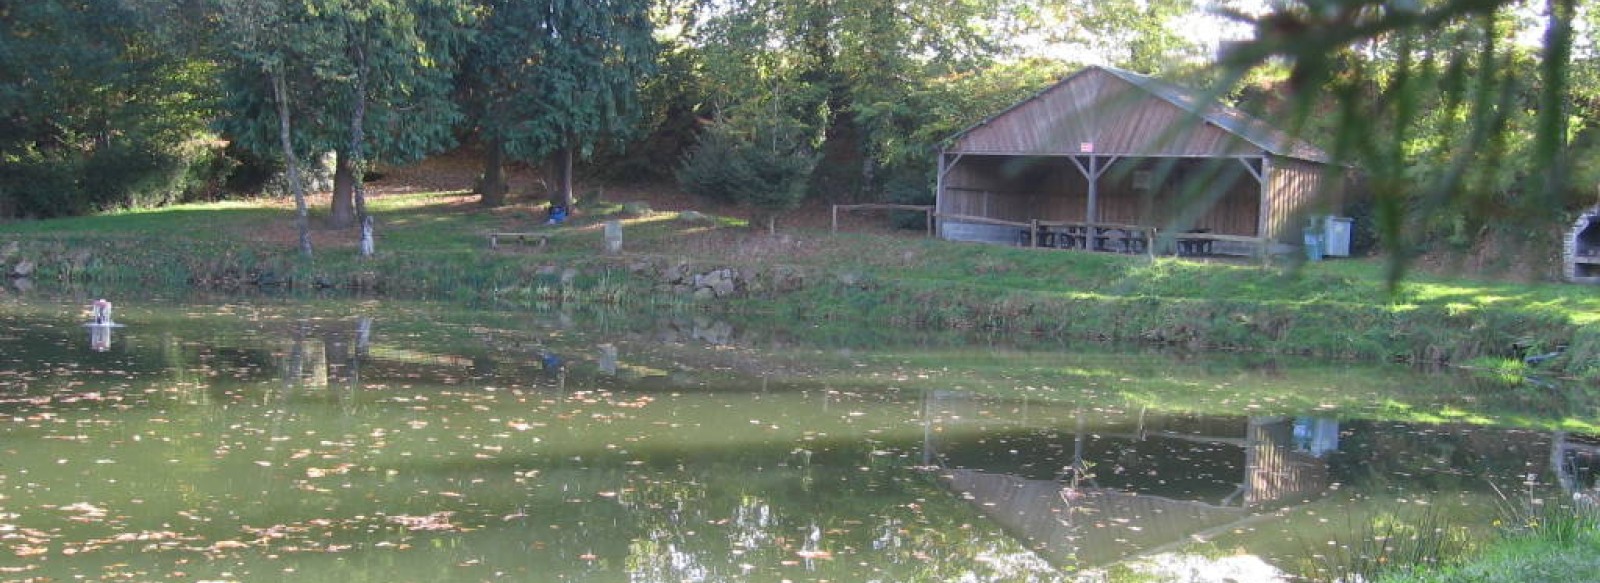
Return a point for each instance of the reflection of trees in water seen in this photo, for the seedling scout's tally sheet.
(809, 514)
(1458, 457)
(1094, 487)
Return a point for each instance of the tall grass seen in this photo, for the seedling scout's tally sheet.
(1541, 541)
(1408, 538)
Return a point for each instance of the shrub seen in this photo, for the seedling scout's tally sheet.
(126, 174)
(760, 173)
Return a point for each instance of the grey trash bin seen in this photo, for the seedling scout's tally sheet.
(1336, 236)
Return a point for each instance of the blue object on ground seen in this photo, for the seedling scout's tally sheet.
(1313, 247)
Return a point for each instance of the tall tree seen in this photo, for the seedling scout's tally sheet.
(390, 61)
(1142, 35)
(551, 79)
(397, 71)
(400, 58)
(828, 63)
(101, 106)
(1435, 102)
(276, 41)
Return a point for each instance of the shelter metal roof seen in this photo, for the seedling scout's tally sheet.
(1195, 106)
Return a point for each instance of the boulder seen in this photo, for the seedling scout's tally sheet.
(9, 250)
(713, 332)
(746, 279)
(721, 283)
(854, 279)
(22, 269)
(673, 274)
(787, 279)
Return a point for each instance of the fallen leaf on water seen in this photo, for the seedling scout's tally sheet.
(85, 512)
(435, 521)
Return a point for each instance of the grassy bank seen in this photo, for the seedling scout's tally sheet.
(435, 245)
(1558, 546)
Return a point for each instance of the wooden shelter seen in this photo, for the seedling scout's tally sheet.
(1112, 160)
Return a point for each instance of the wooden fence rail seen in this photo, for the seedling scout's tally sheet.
(926, 210)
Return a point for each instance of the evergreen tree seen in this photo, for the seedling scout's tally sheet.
(552, 79)
(101, 106)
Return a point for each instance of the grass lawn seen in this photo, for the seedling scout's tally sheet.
(430, 240)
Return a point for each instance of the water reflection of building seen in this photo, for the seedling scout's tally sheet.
(1095, 487)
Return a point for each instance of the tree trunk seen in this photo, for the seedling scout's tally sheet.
(342, 212)
(492, 186)
(562, 164)
(302, 219)
(358, 156)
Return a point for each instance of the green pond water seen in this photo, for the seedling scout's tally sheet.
(267, 439)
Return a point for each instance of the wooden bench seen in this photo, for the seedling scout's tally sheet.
(535, 239)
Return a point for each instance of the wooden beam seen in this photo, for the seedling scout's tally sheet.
(938, 186)
(1264, 221)
(980, 220)
(1092, 174)
(883, 207)
(1092, 213)
(927, 210)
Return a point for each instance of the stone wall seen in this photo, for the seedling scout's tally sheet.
(717, 282)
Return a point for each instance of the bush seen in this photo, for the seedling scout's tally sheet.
(729, 168)
(40, 184)
(910, 186)
(708, 171)
(58, 183)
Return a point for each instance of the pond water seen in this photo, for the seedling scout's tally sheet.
(259, 439)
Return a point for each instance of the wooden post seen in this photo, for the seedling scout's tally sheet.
(835, 219)
(1093, 212)
(1033, 233)
(938, 189)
